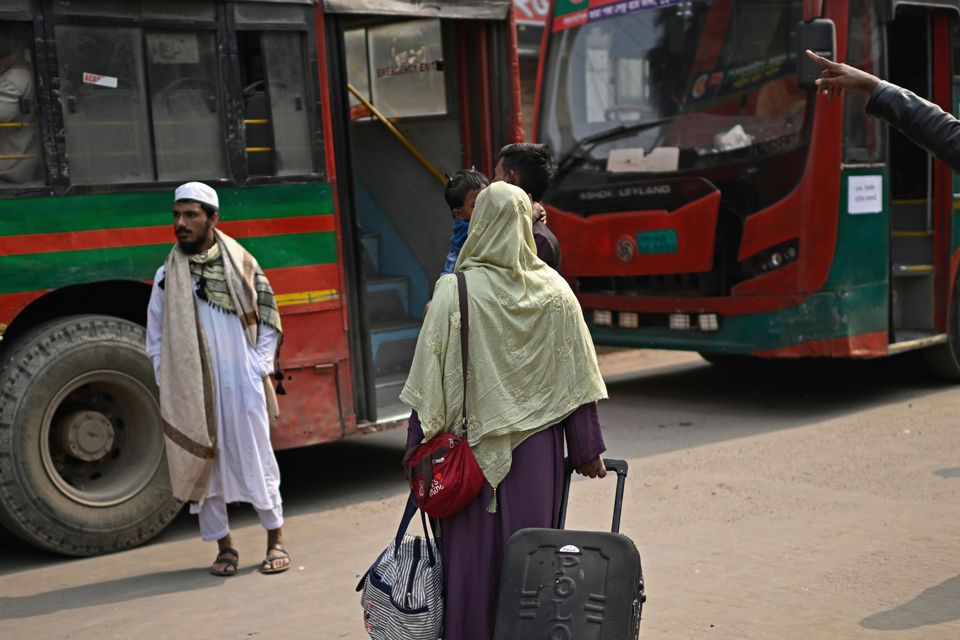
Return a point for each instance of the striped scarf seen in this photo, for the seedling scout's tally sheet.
(208, 269)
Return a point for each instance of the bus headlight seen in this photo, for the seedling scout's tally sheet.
(629, 320)
(680, 321)
(708, 322)
(773, 258)
(602, 318)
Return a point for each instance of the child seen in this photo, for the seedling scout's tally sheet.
(461, 195)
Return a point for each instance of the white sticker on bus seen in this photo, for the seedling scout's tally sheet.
(864, 194)
(100, 81)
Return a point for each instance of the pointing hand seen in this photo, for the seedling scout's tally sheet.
(837, 76)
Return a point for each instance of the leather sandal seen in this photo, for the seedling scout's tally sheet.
(266, 567)
(224, 558)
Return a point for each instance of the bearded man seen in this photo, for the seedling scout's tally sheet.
(212, 334)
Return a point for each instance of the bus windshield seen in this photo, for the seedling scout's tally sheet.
(715, 80)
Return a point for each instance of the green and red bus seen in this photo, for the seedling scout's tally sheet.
(130, 99)
(706, 202)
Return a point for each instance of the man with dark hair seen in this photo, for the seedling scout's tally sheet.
(531, 167)
(20, 160)
(212, 334)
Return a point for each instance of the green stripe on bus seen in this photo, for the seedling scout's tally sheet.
(51, 214)
(53, 270)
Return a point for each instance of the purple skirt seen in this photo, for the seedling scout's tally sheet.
(472, 541)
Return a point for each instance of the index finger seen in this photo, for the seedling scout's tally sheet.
(820, 60)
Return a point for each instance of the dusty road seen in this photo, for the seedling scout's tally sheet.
(778, 503)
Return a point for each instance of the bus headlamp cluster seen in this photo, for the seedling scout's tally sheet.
(625, 319)
(685, 321)
(602, 318)
(775, 258)
(675, 321)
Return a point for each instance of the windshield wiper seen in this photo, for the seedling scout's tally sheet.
(575, 157)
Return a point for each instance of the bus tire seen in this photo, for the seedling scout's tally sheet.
(82, 466)
(944, 359)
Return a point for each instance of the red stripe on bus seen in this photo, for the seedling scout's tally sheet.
(865, 345)
(486, 138)
(140, 236)
(311, 278)
(515, 133)
(12, 303)
(942, 178)
(544, 53)
(463, 95)
(285, 280)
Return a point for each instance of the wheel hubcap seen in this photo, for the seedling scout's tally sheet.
(85, 435)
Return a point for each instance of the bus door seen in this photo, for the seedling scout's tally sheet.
(919, 59)
(443, 76)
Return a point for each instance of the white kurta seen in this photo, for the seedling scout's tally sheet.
(19, 146)
(245, 469)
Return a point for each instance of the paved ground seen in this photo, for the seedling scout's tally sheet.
(798, 502)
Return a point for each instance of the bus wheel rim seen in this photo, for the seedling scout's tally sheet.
(101, 440)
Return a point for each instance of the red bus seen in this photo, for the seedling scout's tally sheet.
(118, 104)
(705, 201)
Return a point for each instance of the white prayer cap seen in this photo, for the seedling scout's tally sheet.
(199, 192)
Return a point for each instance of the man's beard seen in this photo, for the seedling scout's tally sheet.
(192, 247)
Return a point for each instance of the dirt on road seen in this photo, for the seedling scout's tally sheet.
(765, 505)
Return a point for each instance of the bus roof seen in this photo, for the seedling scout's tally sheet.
(463, 9)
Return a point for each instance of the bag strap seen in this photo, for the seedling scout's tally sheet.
(464, 340)
(426, 470)
(426, 465)
(426, 536)
(409, 511)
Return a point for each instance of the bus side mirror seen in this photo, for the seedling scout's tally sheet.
(819, 36)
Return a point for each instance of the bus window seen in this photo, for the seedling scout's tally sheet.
(185, 99)
(398, 68)
(700, 84)
(406, 68)
(21, 157)
(289, 102)
(862, 139)
(104, 104)
(277, 103)
(140, 104)
(358, 67)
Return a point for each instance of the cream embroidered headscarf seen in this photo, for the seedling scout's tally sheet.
(532, 361)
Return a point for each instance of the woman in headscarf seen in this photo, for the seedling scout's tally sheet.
(532, 378)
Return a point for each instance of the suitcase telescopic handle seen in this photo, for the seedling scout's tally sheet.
(618, 466)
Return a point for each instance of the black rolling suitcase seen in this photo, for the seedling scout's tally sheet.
(572, 585)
